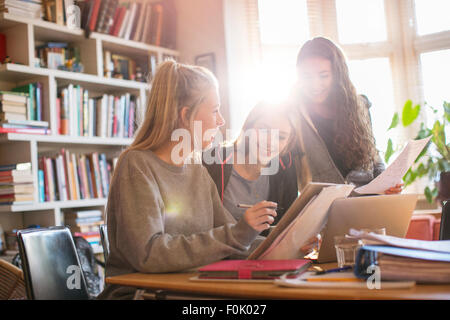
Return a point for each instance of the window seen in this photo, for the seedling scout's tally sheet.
(435, 70)
(396, 50)
(283, 28)
(432, 16)
(373, 78)
(361, 21)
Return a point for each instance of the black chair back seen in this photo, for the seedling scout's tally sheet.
(444, 232)
(105, 241)
(50, 263)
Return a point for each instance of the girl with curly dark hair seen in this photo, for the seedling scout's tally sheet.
(333, 120)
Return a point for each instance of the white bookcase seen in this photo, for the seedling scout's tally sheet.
(22, 36)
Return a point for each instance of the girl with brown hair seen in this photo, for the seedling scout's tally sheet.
(334, 122)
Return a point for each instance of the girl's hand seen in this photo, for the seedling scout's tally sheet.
(311, 245)
(261, 215)
(394, 190)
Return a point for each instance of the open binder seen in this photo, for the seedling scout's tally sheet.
(304, 219)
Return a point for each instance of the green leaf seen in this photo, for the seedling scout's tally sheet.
(428, 195)
(389, 151)
(394, 122)
(409, 114)
(447, 110)
(409, 177)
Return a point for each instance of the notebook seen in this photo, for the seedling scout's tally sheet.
(253, 269)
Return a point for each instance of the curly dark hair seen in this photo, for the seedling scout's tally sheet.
(355, 145)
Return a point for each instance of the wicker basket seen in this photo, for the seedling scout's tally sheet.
(12, 285)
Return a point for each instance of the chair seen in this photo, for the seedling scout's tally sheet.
(444, 233)
(50, 264)
(104, 239)
(12, 285)
(421, 227)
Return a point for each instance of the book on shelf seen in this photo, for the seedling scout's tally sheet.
(16, 184)
(16, 166)
(82, 221)
(93, 227)
(41, 131)
(3, 54)
(83, 213)
(10, 96)
(23, 8)
(23, 124)
(24, 178)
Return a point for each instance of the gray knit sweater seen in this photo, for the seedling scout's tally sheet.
(164, 218)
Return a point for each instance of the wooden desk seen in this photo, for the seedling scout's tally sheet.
(179, 283)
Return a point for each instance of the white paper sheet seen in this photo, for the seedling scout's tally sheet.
(394, 173)
(439, 246)
(306, 225)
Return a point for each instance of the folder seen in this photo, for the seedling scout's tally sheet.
(253, 269)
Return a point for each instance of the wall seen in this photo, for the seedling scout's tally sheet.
(200, 29)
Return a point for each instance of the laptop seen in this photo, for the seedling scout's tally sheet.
(392, 212)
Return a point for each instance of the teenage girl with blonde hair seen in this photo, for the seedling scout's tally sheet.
(164, 215)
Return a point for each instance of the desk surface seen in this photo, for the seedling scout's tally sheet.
(180, 283)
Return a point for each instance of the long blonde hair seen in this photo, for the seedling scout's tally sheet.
(174, 86)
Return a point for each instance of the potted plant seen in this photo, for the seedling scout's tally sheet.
(434, 160)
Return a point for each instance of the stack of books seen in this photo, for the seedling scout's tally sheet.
(86, 224)
(69, 176)
(106, 116)
(401, 259)
(16, 184)
(15, 114)
(23, 8)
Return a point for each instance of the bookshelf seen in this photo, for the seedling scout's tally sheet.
(23, 35)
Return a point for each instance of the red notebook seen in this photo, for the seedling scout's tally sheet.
(253, 269)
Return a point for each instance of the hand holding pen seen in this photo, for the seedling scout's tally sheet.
(261, 215)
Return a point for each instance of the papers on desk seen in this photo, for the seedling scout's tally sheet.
(438, 246)
(394, 173)
(340, 280)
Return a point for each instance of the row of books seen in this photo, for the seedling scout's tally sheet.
(105, 116)
(16, 184)
(70, 176)
(143, 21)
(23, 8)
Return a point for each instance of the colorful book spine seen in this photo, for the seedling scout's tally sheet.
(41, 188)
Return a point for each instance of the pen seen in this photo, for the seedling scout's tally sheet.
(332, 280)
(319, 270)
(246, 206)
